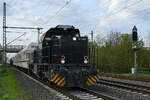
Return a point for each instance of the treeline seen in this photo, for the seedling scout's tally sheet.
(115, 54)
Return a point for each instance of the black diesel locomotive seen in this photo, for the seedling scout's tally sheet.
(62, 58)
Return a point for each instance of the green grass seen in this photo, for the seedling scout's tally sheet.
(140, 75)
(9, 85)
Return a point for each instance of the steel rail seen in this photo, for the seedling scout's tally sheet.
(132, 87)
(100, 95)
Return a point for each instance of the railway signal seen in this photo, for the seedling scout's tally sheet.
(134, 34)
(134, 39)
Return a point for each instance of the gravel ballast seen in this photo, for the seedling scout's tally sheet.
(38, 90)
(126, 81)
(121, 94)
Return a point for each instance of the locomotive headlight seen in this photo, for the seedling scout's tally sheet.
(85, 59)
(74, 38)
(98, 70)
(62, 61)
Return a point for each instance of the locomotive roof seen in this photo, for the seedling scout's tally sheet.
(65, 27)
(61, 30)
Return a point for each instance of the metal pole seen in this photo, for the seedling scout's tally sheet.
(23, 27)
(4, 33)
(92, 37)
(135, 63)
(38, 34)
(94, 56)
(89, 54)
(97, 56)
(92, 47)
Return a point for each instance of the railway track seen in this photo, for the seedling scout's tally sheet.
(127, 86)
(87, 94)
(69, 94)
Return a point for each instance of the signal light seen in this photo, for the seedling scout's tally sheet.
(134, 34)
(74, 38)
(85, 59)
(62, 59)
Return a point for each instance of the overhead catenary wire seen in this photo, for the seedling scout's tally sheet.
(141, 16)
(120, 10)
(16, 38)
(124, 8)
(57, 12)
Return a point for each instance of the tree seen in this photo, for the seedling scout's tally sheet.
(116, 54)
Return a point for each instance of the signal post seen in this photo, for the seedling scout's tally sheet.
(134, 47)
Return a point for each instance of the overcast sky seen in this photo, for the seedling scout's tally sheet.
(101, 16)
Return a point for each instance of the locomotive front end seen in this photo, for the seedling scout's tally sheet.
(74, 69)
(75, 65)
(79, 75)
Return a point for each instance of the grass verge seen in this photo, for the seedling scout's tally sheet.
(9, 85)
(140, 75)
